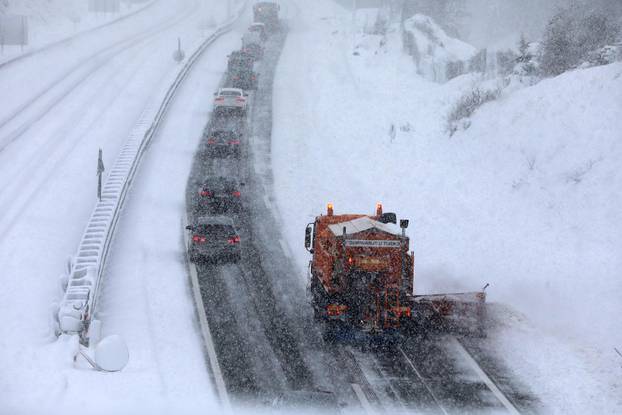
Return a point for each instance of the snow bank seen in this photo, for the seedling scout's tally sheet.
(545, 161)
(526, 199)
(432, 48)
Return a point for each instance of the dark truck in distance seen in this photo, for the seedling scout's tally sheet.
(267, 13)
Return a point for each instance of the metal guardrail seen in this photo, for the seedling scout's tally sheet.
(83, 280)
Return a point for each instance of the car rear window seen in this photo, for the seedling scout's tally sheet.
(216, 231)
(230, 93)
(220, 186)
(225, 135)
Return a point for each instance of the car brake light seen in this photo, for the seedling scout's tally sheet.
(234, 240)
(220, 99)
(240, 99)
(198, 238)
(236, 194)
(211, 141)
(336, 310)
(234, 142)
(205, 193)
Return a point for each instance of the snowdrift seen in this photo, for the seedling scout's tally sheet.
(543, 169)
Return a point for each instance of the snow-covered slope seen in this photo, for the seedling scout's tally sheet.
(526, 199)
(543, 168)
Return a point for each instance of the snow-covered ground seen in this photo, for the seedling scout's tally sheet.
(526, 199)
(50, 21)
(48, 178)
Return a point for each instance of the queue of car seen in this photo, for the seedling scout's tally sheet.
(214, 236)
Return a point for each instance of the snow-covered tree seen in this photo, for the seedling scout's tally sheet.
(525, 61)
(558, 51)
(571, 35)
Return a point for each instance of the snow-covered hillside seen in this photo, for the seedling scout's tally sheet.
(542, 167)
(526, 199)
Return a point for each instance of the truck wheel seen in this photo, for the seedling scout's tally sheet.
(316, 314)
(329, 332)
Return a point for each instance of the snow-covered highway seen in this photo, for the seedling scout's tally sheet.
(521, 194)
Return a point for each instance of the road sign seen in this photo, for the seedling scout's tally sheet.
(13, 30)
(100, 171)
(364, 243)
(104, 6)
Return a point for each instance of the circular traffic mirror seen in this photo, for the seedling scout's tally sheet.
(111, 354)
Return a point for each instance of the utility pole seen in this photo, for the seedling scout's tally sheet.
(100, 171)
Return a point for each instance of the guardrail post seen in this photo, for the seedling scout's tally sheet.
(100, 171)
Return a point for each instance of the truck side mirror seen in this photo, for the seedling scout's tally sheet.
(308, 234)
(190, 228)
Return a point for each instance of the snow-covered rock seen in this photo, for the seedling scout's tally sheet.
(432, 49)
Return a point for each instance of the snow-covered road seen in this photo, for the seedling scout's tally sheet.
(90, 97)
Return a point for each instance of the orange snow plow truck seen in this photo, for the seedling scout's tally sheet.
(362, 277)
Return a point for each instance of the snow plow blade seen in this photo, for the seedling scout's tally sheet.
(459, 313)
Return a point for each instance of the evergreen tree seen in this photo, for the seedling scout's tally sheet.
(571, 35)
(523, 50)
(558, 53)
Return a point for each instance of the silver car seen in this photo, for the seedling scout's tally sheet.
(227, 99)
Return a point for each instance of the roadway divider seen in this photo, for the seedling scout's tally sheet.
(83, 279)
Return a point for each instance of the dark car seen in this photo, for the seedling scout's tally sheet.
(240, 61)
(214, 238)
(243, 79)
(228, 122)
(253, 49)
(220, 195)
(223, 143)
